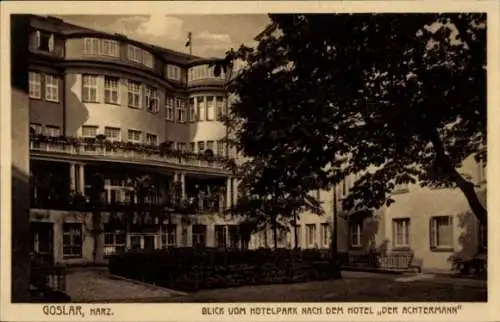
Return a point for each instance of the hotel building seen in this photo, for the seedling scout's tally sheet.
(147, 120)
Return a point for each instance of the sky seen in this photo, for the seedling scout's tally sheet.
(212, 35)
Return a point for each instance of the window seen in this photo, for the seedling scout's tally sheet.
(441, 232)
(201, 108)
(72, 240)
(401, 232)
(355, 228)
(147, 59)
(199, 235)
(89, 90)
(112, 133)
(44, 41)
(110, 48)
(169, 108)
(210, 108)
(192, 113)
(173, 72)
(104, 47)
(151, 139)
(220, 148)
(181, 146)
(36, 128)
(51, 88)
(89, 131)
(111, 90)
(35, 85)
(134, 54)
(210, 145)
(135, 242)
(234, 236)
(152, 99)
(192, 147)
(180, 109)
(311, 234)
(52, 130)
(201, 146)
(134, 94)
(325, 235)
(114, 243)
(134, 136)
(169, 239)
(220, 236)
(220, 107)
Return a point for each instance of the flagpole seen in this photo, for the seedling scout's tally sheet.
(189, 43)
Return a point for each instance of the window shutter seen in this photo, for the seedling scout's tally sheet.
(37, 39)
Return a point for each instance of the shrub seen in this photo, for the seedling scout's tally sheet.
(192, 269)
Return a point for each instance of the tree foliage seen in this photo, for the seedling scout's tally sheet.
(395, 97)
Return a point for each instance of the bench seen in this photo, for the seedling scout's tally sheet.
(396, 261)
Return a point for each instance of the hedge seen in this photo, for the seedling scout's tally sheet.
(190, 269)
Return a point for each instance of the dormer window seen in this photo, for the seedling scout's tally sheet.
(44, 41)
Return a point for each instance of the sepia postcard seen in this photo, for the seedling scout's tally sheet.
(254, 160)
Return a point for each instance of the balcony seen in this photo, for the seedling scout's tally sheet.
(117, 151)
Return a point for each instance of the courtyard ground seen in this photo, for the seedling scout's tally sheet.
(96, 285)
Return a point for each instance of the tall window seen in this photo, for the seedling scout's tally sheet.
(201, 108)
(169, 239)
(51, 130)
(35, 85)
(181, 146)
(401, 232)
(134, 54)
(210, 108)
(355, 228)
(173, 72)
(210, 145)
(220, 107)
(201, 146)
(192, 113)
(151, 139)
(220, 236)
(134, 136)
(199, 235)
(192, 147)
(152, 99)
(89, 89)
(169, 108)
(89, 131)
(111, 90)
(72, 240)
(180, 109)
(234, 236)
(220, 148)
(325, 235)
(441, 232)
(311, 235)
(51, 88)
(134, 94)
(114, 243)
(112, 133)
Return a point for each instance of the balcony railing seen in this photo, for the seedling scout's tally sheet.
(126, 151)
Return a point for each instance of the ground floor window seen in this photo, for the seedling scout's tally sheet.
(42, 241)
(114, 242)
(401, 232)
(72, 240)
(169, 238)
(220, 236)
(199, 236)
(234, 236)
(325, 235)
(311, 235)
(441, 232)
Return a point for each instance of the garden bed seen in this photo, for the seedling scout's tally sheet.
(188, 269)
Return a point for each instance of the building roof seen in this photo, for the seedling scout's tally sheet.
(267, 31)
(59, 26)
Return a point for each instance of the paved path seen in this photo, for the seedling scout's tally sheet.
(88, 284)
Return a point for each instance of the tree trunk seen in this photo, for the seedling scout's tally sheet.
(275, 233)
(467, 187)
(295, 229)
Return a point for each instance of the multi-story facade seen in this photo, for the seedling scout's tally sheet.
(106, 104)
(132, 112)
